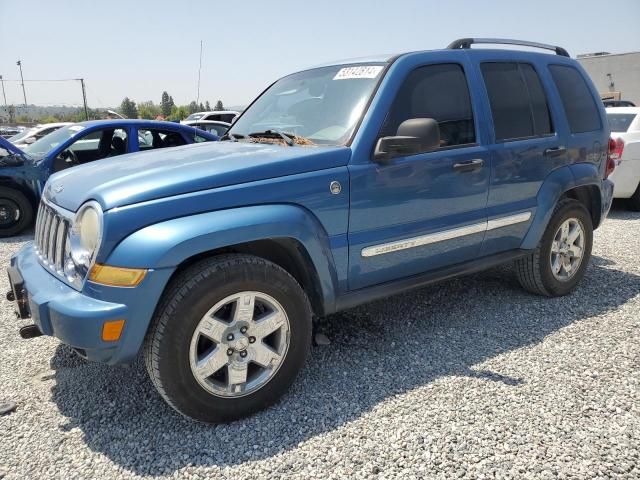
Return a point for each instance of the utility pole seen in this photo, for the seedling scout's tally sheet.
(199, 68)
(3, 94)
(84, 99)
(24, 93)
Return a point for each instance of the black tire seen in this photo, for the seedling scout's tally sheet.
(633, 202)
(16, 212)
(534, 271)
(187, 299)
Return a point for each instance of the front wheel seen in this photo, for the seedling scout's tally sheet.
(16, 212)
(559, 262)
(229, 337)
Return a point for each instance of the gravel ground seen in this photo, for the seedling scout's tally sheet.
(469, 378)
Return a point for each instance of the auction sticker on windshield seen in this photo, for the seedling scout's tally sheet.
(362, 71)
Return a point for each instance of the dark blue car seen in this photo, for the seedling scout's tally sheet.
(23, 173)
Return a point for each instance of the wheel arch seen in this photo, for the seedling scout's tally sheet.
(581, 182)
(22, 187)
(287, 235)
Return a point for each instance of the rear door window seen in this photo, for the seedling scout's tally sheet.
(577, 100)
(152, 138)
(620, 122)
(518, 101)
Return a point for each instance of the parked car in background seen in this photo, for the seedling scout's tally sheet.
(25, 171)
(625, 137)
(220, 116)
(8, 132)
(339, 185)
(211, 126)
(30, 135)
(618, 103)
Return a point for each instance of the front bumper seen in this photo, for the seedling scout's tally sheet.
(76, 318)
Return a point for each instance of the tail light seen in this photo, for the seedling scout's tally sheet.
(615, 153)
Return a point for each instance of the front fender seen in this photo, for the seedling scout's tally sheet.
(167, 244)
(554, 186)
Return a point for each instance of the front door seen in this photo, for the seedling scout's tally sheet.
(416, 213)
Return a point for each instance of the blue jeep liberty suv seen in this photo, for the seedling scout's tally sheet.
(339, 185)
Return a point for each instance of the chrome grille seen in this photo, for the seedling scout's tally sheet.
(50, 239)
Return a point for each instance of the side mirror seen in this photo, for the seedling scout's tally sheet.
(29, 140)
(416, 135)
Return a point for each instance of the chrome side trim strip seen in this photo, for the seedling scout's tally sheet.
(430, 238)
(424, 240)
(509, 220)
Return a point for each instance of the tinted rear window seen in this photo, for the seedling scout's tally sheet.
(579, 105)
(620, 122)
(518, 101)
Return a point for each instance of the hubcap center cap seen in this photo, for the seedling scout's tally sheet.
(240, 344)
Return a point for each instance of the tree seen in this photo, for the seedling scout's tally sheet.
(193, 107)
(166, 103)
(207, 107)
(201, 106)
(149, 110)
(219, 106)
(128, 108)
(178, 113)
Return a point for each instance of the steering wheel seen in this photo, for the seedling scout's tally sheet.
(70, 158)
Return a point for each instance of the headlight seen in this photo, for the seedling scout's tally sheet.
(85, 236)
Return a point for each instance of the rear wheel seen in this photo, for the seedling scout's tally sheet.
(559, 262)
(16, 212)
(229, 337)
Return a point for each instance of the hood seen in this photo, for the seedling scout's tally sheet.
(18, 157)
(142, 176)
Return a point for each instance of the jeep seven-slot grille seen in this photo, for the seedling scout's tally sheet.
(51, 238)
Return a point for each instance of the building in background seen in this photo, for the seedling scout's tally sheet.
(616, 76)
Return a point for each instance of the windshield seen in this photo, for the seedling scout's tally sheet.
(195, 116)
(51, 141)
(21, 135)
(620, 122)
(323, 105)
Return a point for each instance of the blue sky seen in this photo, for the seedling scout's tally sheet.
(140, 48)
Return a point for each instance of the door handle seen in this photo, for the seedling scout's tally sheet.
(468, 166)
(554, 151)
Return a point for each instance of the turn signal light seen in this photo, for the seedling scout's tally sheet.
(112, 330)
(116, 276)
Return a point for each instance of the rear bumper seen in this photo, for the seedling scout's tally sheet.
(626, 177)
(76, 318)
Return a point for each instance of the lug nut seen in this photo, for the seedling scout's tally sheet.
(243, 330)
(252, 339)
(230, 337)
(243, 353)
(229, 351)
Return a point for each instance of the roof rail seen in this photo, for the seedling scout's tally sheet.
(467, 42)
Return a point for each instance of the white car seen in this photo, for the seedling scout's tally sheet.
(625, 132)
(30, 135)
(220, 116)
(211, 126)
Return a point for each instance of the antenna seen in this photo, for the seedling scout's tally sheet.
(199, 69)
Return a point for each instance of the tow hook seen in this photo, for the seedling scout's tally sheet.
(30, 331)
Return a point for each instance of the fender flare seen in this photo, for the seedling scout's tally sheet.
(167, 244)
(554, 186)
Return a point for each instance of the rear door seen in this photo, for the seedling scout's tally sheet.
(420, 212)
(525, 147)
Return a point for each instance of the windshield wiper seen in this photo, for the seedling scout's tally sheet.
(231, 136)
(274, 133)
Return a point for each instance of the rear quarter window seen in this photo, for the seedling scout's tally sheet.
(620, 122)
(578, 102)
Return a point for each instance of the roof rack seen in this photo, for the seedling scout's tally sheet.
(467, 42)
